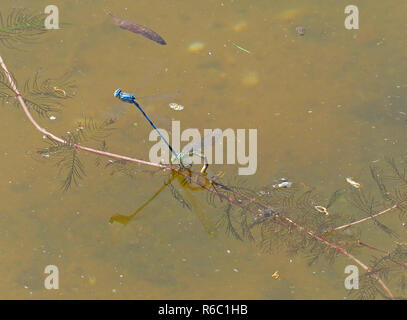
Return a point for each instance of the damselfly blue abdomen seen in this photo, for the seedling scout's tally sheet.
(130, 98)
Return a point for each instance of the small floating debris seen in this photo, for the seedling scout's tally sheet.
(353, 183)
(283, 184)
(240, 48)
(240, 26)
(322, 210)
(275, 275)
(176, 106)
(250, 80)
(59, 91)
(265, 214)
(52, 118)
(196, 46)
(269, 212)
(300, 30)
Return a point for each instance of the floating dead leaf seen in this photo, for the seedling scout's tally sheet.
(176, 106)
(353, 183)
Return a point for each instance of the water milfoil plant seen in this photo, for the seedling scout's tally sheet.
(296, 219)
(20, 26)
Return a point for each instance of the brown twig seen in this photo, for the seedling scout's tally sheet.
(370, 217)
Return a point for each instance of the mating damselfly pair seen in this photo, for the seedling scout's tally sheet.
(194, 148)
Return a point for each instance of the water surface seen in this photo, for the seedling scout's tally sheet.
(325, 105)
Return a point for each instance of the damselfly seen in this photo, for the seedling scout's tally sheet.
(130, 98)
(195, 147)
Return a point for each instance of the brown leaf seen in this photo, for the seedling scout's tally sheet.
(136, 28)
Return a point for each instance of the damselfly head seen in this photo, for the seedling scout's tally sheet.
(117, 92)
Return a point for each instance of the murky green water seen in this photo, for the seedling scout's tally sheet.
(325, 105)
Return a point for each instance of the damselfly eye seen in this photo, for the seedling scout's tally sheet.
(117, 92)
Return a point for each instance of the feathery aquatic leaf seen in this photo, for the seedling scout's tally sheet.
(21, 26)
